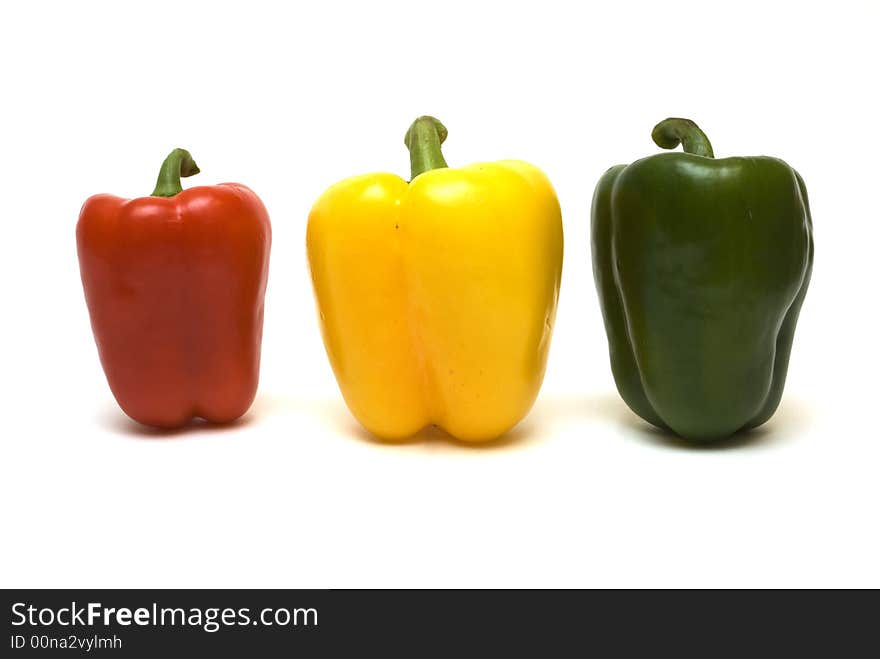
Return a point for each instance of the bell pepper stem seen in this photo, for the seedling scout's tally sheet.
(671, 132)
(178, 163)
(423, 139)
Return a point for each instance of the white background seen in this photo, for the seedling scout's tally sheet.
(291, 97)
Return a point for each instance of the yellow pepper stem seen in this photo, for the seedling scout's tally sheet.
(423, 139)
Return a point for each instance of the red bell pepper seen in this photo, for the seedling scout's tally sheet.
(175, 284)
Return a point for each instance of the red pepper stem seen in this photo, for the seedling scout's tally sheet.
(671, 132)
(423, 139)
(178, 163)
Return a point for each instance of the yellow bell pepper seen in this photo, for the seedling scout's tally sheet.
(437, 297)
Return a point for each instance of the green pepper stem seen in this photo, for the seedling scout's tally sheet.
(671, 132)
(178, 163)
(423, 139)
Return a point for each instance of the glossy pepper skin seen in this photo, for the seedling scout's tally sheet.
(701, 266)
(174, 284)
(437, 297)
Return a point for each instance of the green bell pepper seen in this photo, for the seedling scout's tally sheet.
(701, 266)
